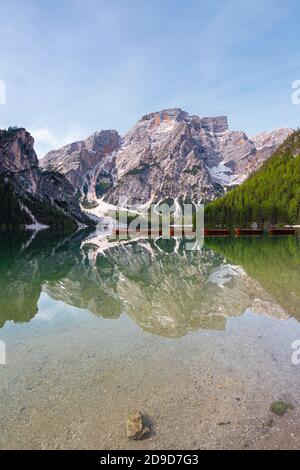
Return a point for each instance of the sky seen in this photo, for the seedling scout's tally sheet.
(72, 67)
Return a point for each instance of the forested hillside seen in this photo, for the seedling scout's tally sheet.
(270, 196)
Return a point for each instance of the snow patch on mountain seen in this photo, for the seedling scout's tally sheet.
(223, 175)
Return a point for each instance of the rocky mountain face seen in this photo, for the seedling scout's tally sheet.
(80, 160)
(29, 195)
(166, 154)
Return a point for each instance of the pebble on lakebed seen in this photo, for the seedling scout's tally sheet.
(134, 426)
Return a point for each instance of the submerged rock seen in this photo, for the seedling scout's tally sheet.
(134, 426)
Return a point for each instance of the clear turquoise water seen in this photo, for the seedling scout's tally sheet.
(91, 333)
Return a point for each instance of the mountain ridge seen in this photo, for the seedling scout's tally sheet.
(29, 196)
(168, 153)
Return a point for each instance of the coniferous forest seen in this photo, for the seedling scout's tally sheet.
(270, 196)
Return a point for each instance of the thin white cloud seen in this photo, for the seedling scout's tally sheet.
(45, 140)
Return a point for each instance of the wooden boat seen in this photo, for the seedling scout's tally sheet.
(153, 232)
(249, 231)
(216, 232)
(282, 231)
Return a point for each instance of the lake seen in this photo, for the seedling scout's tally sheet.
(199, 341)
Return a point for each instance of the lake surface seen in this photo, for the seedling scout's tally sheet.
(199, 341)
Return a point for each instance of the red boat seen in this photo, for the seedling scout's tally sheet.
(153, 232)
(249, 231)
(216, 232)
(282, 231)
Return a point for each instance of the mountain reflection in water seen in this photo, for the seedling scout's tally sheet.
(166, 290)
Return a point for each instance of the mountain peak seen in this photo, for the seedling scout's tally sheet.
(217, 124)
(167, 153)
(16, 150)
(164, 115)
(35, 198)
(78, 160)
(101, 139)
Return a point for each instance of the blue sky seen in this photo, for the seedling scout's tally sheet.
(72, 67)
